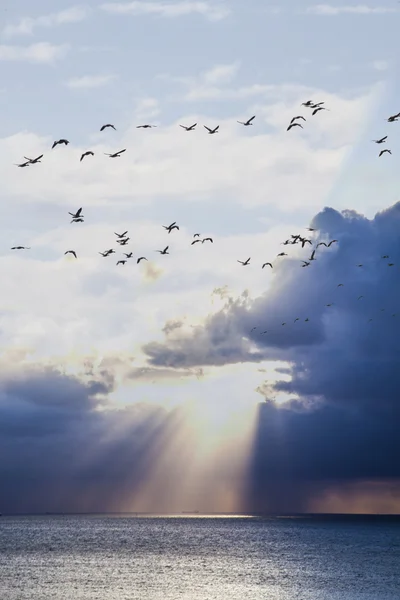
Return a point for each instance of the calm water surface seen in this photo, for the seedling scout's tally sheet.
(118, 558)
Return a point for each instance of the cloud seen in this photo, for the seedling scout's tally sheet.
(234, 165)
(90, 81)
(339, 391)
(172, 9)
(380, 65)
(27, 25)
(42, 52)
(360, 9)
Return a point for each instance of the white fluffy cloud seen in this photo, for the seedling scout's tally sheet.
(27, 25)
(167, 9)
(358, 9)
(89, 81)
(42, 52)
(57, 304)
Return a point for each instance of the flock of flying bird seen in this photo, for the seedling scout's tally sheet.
(122, 238)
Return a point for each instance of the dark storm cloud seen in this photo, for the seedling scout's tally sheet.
(61, 446)
(342, 423)
(65, 447)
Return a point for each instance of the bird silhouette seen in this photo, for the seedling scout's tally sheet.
(294, 125)
(191, 128)
(33, 161)
(88, 153)
(249, 122)
(211, 131)
(115, 154)
(58, 142)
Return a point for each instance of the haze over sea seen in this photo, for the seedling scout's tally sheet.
(123, 557)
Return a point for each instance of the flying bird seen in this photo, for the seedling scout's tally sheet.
(294, 125)
(296, 118)
(308, 103)
(244, 263)
(21, 248)
(207, 239)
(168, 227)
(33, 161)
(145, 126)
(340, 284)
(76, 215)
(173, 227)
(282, 254)
(140, 258)
(71, 252)
(383, 152)
(107, 125)
(165, 251)
(121, 235)
(312, 257)
(359, 297)
(88, 153)
(306, 264)
(196, 235)
(191, 128)
(393, 118)
(249, 122)
(25, 164)
(215, 130)
(115, 154)
(314, 112)
(121, 262)
(195, 242)
(62, 141)
(267, 264)
(381, 140)
(296, 320)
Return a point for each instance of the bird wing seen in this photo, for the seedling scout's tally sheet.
(121, 151)
(252, 119)
(78, 212)
(208, 129)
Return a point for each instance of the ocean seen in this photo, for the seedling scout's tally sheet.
(205, 558)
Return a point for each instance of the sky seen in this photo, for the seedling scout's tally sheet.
(145, 387)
